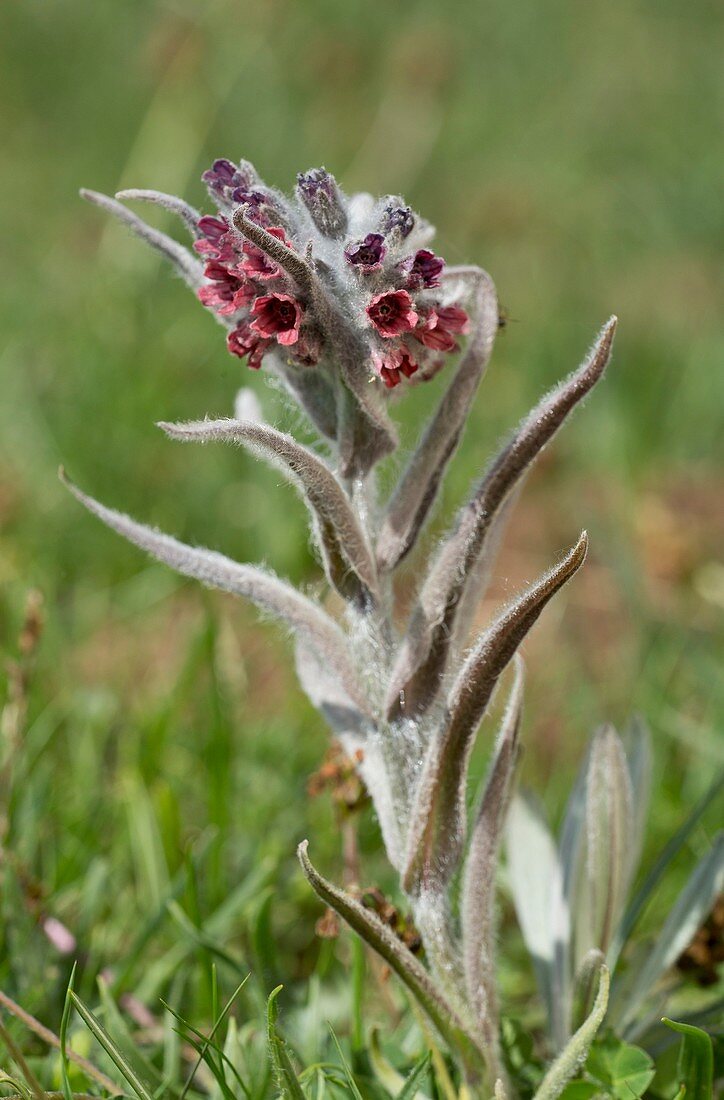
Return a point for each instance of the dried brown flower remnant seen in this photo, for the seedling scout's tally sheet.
(402, 925)
(338, 775)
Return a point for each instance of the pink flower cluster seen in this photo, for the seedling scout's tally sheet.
(391, 286)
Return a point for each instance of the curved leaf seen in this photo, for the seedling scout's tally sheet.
(265, 590)
(424, 653)
(186, 264)
(437, 822)
(347, 559)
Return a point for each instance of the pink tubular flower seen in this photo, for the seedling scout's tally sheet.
(277, 315)
(392, 313)
(390, 366)
(242, 341)
(424, 269)
(229, 290)
(438, 325)
(256, 264)
(367, 255)
(213, 231)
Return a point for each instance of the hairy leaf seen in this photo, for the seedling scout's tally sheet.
(265, 590)
(378, 935)
(286, 1078)
(437, 824)
(479, 880)
(347, 559)
(609, 828)
(576, 1051)
(186, 264)
(424, 653)
(188, 214)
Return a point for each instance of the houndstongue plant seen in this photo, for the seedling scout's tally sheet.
(343, 300)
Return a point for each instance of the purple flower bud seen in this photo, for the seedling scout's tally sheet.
(423, 269)
(367, 255)
(397, 217)
(224, 176)
(319, 192)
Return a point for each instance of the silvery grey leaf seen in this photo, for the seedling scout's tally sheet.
(479, 579)
(432, 914)
(637, 740)
(365, 432)
(424, 653)
(646, 890)
(347, 559)
(571, 851)
(305, 618)
(437, 822)
(188, 214)
(186, 264)
(381, 939)
(417, 489)
(536, 882)
(479, 878)
(690, 910)
(572, 1057)
(313, 390)
(608, 827)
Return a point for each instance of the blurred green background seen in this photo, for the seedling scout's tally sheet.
(572, 150)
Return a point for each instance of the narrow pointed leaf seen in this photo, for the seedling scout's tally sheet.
(418, 487)
(671, 850)
(347, 559)
(437, 826)
(536, 883)
(188, 214)
(265, 590)
(479, 880)
(691, 909)
(186, 264)
(572, 1057)
(609, 828)
(116, 1056)
(424, 654)
(410, 971)
(637, 740)
(287, 1079)
(410, 1088)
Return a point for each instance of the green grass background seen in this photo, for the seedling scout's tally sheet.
(574, 150)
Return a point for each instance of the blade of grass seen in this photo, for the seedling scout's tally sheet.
(218, 1020)
(353, 1088)
(409, 1089)
(64, 1060)
(116, 1056)
(52, 1040)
